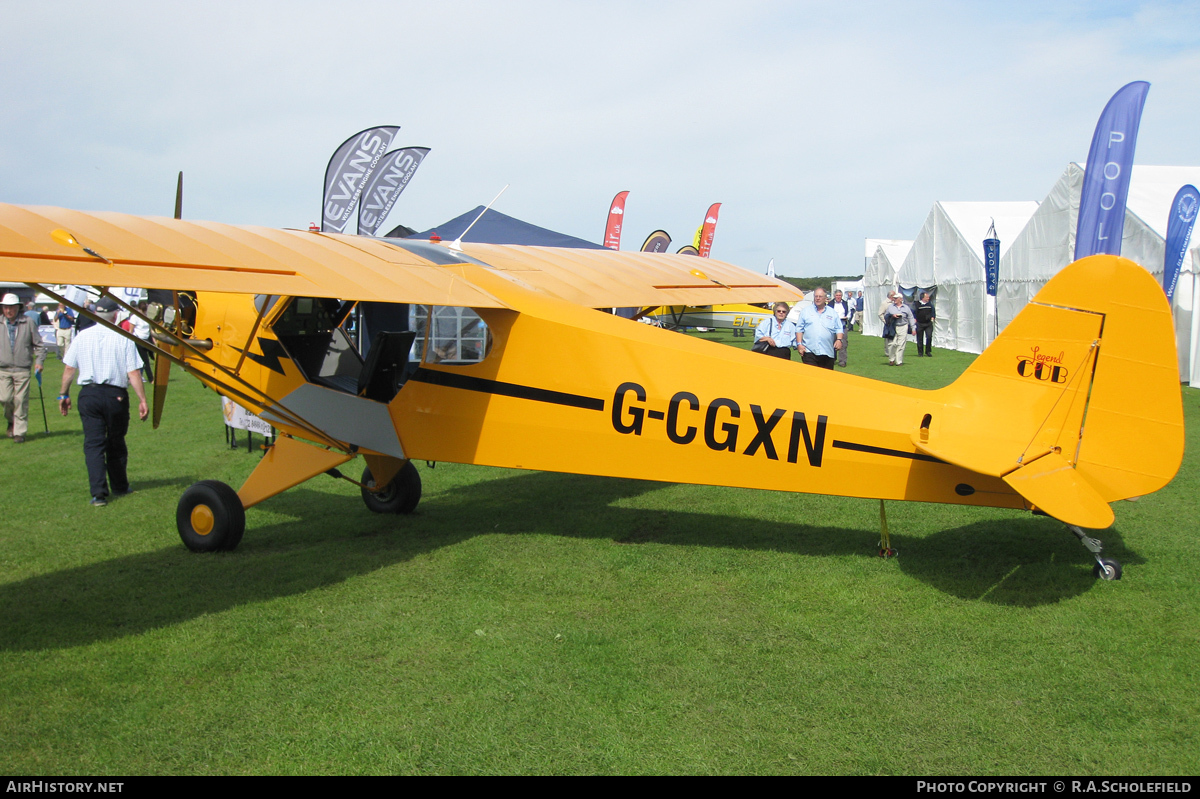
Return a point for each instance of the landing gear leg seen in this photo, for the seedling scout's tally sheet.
(885, 538)
(1105, 568)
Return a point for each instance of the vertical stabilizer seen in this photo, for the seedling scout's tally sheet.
(1085, 379)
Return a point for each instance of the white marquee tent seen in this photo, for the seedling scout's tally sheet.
(1190, 270)
(879, 277)
(1047, 244)
(948, 254)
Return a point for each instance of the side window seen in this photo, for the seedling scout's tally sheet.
(458, 335)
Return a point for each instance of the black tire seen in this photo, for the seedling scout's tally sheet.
(400, 496)
(1110, 571)
(210, 517)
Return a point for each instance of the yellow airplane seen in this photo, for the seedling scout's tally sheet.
(1074, 406)
(729, 316)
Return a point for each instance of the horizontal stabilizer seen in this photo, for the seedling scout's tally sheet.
(1054, 487)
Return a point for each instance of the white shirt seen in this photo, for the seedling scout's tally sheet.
(102, 356)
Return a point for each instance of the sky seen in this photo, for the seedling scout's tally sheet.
(815, 125)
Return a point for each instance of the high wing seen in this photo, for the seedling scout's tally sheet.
(57, 245)
(630, 279)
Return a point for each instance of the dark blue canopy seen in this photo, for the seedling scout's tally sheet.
(498, 228)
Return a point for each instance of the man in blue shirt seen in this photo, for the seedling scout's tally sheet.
(819, 334)
(64, 329)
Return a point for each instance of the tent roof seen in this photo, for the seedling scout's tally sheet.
(1047, 243)
(884, 265)
(498, 228)
(895, 250)
(872, 244)
(1152, 188)
(972, 221)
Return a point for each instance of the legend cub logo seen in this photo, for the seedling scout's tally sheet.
(1042, 367)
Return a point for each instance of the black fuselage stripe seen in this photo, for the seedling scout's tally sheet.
(485, 386)
(894, 453)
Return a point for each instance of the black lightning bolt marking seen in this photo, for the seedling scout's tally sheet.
(272, 351)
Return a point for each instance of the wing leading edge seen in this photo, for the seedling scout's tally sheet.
(56, 245)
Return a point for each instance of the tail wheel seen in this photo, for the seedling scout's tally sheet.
(399, 496)
(210, 517)
(1107, 569)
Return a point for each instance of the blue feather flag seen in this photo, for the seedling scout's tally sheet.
(1106, 181)
(1179, 232)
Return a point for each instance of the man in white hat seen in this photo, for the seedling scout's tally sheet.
(20, 349)
(107, 363)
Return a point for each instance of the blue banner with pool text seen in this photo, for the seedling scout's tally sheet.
(1106, 177)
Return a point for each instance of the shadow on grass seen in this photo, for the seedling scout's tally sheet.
(333, 538)
(35, 435)
(1024, 562)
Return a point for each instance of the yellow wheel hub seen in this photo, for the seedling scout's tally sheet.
(202, 520)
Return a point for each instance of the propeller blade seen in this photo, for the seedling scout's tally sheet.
(162, 371)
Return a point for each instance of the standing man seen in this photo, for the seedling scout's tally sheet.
(64, 329)
(842, 309)
(20, 348)
(819, 335)
(882, 311)
(82, 323)
(106, 363)
(900, 316)
(34, 314)
(926, 316)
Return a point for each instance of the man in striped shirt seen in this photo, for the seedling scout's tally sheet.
(106, 363)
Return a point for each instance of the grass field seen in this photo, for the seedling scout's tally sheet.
(526, 622)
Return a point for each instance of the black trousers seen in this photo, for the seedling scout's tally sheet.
(823, 361)
(925, 339)
(105, 414)
(779, 352)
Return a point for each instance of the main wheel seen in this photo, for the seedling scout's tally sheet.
(1111, 570)
(210, 517)
(399, 496)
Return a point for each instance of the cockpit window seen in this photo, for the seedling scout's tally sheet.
(309, 333)
(309, 316)
(458, 336)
